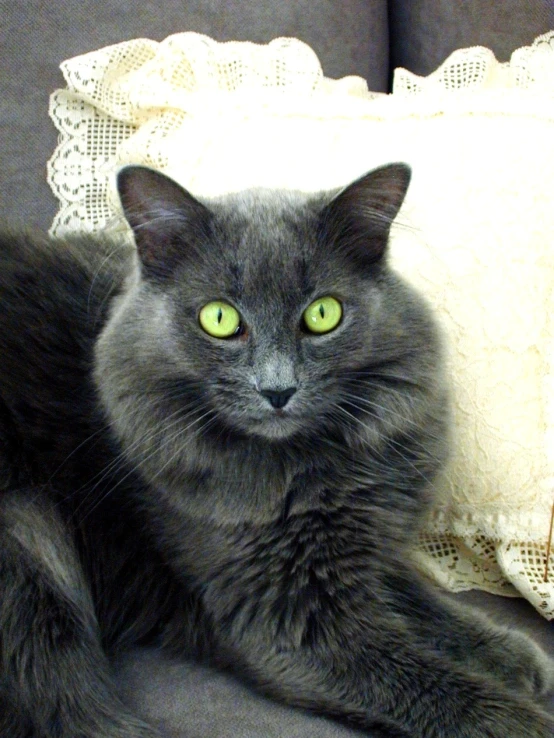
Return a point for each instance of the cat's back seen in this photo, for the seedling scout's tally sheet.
(54, 294)
(54, 299)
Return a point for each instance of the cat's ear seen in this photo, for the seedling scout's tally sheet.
(359, 218)
(165, 218)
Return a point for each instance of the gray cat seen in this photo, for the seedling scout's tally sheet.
(223, 442)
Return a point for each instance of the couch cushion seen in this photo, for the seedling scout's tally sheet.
(424, 32)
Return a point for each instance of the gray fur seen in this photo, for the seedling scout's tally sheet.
(273, 541)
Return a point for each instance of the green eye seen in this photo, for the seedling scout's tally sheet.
(219, 319)
(323, 315)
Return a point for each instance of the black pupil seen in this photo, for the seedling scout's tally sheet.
(321, 310)
(219, 315)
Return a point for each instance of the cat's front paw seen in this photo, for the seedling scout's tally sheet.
(504, 718)
(538, 672)
(522, 665)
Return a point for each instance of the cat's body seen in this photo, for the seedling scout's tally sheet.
(250, 498)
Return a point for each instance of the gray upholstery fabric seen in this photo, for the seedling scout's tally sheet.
(187, 701)
(350, 37)
(424, 32)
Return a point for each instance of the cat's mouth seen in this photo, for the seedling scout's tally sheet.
(277, 424)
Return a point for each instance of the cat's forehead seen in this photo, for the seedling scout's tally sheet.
(267, 218)
(268, 241)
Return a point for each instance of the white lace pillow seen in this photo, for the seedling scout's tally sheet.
(475, 233)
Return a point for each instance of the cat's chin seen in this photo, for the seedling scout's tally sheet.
(276, 428)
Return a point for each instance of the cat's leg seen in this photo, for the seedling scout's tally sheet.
(311, 617)
(383, 683)
(54, 675)
(508, 654)
(470, 638)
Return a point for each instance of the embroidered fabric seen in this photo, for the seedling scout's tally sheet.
(474, 234)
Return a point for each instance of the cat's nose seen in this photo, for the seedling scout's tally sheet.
(278, 398)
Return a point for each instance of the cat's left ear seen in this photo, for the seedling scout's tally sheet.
(359, 218)
(166, 219)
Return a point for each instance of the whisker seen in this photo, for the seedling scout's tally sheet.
(385, 378)
(399, 447)
(56, 471)
(179, 451)
(353, 400)
(358, 403)
(175, 395)
(97, 274)
(137, 465)
(121, 457)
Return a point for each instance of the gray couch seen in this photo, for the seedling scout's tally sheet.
(364, 37)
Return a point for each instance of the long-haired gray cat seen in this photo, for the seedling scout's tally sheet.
(223, 442)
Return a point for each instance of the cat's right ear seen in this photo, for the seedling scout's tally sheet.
(165, 218)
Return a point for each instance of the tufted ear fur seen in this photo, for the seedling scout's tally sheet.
(165, 218)
(359, 218)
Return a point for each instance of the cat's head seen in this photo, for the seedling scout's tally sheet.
(264, 313)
